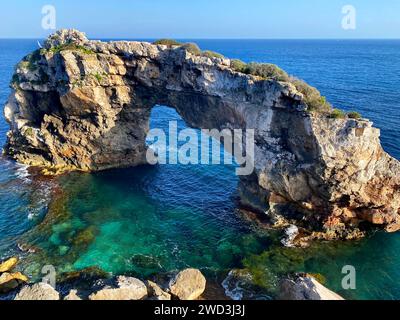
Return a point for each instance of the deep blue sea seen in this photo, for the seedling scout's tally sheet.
(150, 220)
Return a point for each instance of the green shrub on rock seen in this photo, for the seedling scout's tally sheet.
(30, 62)
(212, 54)
(266, 71)
(313, 98)
(238, 65)
(98, 77)
(192, 48)
(72, 47)
(354, 115)
(29, 132)
(337, 114)
(167, 42)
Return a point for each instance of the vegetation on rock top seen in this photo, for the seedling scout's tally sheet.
(212, 54)
(354, 115)
(313, 98)
(315, 101)
(193, 48)
(69, 46)
(337, 114)
(30, 62)
(168, 42)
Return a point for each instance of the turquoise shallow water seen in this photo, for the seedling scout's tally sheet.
(150, 220)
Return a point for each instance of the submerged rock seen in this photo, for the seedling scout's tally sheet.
(305, 287)
(24, 247)
(128, 289)
(86, 105)
(239, 285)
(38, 291)
(87, 275)
(188, 284)
(146, 262)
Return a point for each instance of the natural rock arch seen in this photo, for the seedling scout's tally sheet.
(85, 105)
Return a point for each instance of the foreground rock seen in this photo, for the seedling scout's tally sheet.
(188, 285)
(11, 281)
(304, 287)
(156, 293)
(8, 280)
(72, 296)
(86, 105)
(38, 291)
(128, 289)
(8, 264)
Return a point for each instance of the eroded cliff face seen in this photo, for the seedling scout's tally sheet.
(85, 105)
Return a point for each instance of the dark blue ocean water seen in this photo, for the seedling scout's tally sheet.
(150, 220)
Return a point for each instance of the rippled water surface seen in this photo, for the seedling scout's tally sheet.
(150, 220)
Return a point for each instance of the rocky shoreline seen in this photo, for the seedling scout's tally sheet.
(188, 284)
(84, 105)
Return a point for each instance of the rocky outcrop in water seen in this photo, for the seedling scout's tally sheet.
(188, 284)
(37, 292)
(85, 105)
(10, 280)
(304, 287)
(127, 289)
(8, 264)
(156, 293)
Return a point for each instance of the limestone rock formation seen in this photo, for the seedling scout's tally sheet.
(189, 284)
(37, 292)
(72, 296)
(85, 105)
(8, 264)
(8, 280)
(128, 289)
(155, 292)
(303, 287)
(11, 281)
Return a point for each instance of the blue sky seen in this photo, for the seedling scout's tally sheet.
(204, 18)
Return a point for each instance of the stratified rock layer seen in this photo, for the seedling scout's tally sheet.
(85, 105)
